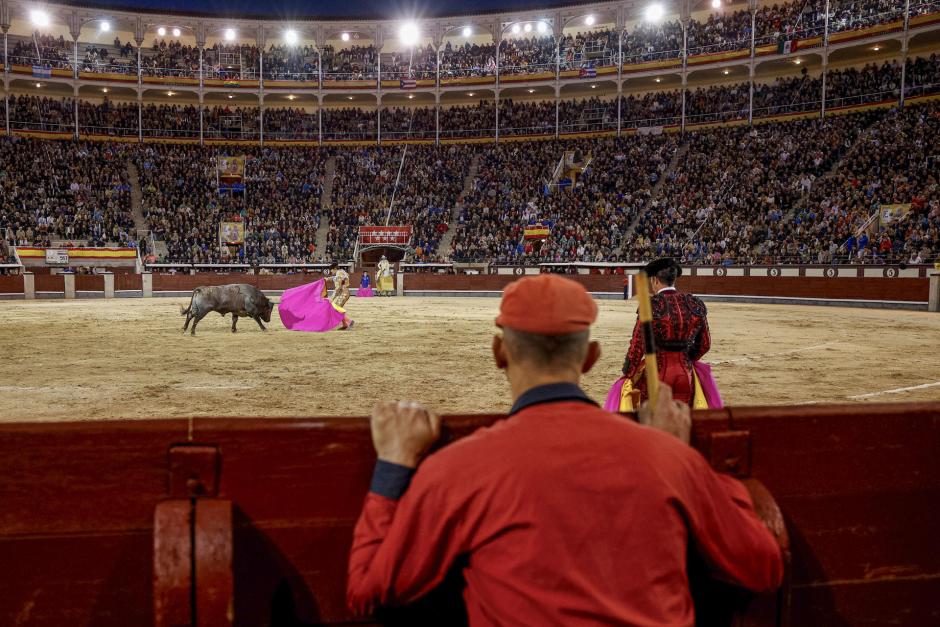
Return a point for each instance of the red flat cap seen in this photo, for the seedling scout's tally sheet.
(546, 304)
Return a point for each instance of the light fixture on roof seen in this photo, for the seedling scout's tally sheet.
(470, 93)
(411, 96)
(344, 36)
(290, 37)
(716, 4)
(467, 31)
(798, 61)
(176, 32)
(593, 86)
(161, 31)
(171, 93)
(527, 28)
(542, 27)
(515, 29)
(105, 26)
(654, 13)
(658, 80)
(531, 91)
(230, 96)
(726, 71)
(589, 20)
(291, 97)
(38, 85)
(409, 34)
(349, 97)
(876, 48)
(39, 18)
(229, 34)
(104, 89)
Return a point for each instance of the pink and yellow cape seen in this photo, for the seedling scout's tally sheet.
(303, 308)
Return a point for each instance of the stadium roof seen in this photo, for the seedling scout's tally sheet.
(326, 9)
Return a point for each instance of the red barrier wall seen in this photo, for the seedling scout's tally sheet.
(89, 283)
(858, 486)
(128, 281)
(50, 283)
(12, 284)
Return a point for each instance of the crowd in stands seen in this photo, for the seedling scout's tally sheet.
(119, 119)
(231, 61)
(67, 191)
(404, 122)
(514, 188)
(872, 83)
(466, 60)
(418, 63)
(350, 64)
(527, 55)
(170, 59)
(43, 50)
(279, 207)
(291, 63)
(468, 121)
(414, 185)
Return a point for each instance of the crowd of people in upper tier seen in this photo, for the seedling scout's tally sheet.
(845, 87)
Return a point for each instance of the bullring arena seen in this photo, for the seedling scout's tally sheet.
(778, 159)
(127, 358)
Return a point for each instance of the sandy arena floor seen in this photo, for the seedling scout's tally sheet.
(93, 359)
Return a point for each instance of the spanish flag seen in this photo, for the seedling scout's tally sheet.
(537, 231)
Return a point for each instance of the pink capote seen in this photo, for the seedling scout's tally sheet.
(709, 387)
(364, 292)
(302, 308)
(705, 379)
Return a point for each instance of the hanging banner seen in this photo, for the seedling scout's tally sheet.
(230, 172)
(232, 233)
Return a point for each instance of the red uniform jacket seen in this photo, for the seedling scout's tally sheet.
(680, 329)
(568, 515)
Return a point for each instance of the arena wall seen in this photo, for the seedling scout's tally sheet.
(83, 542)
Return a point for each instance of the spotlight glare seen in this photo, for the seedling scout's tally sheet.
(105, 27)
(39, 18)
(726, 72)
(470, 93)
(344, 36)
(527, 28)
(593, 86)
(291, 97)
(589, 20)
(542, 27)
(659, 80)
(290, 37)
(515, 29)
(170, 93)
(229, 34)
(798, 61)
(176, 32)
(230, 96)
(38, 85)
(408, 34)
(876, 48)
(161, 31)
(105, 90)
(531, 91)
(349, 97)
(411, 96)
(654, 13)
(716, 4)
(467, 31)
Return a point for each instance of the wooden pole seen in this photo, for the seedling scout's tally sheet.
(649, 342)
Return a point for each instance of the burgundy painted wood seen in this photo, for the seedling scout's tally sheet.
(89, 282)
(11, 284)
(127, 281)
(857, 486)
(49, 283)
(173, 563)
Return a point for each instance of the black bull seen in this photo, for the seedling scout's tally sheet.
(238, 299)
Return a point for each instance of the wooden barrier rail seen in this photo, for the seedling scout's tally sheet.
(96, 516)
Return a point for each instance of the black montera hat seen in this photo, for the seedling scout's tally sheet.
(664, 263)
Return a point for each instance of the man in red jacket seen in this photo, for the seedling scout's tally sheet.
(567, 514)
(680, 331)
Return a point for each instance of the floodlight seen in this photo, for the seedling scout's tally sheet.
(527, 28)
(290, 37)
(654, 13)
(344, 36)
(161, 31)
(39, 18)
(105, 26)
(176, 32)
(229, 34)
(716, 4)
(589, 20)
(408, 33)
(467, 31)
(542, 27)
(515, 29)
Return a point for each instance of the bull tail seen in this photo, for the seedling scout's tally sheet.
(186, 311)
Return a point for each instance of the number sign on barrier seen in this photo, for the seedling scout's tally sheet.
(57, 256)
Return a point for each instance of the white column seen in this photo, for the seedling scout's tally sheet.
(69, 284)
(146, 280)
(108, 284)
(933, 303)
(29, 286)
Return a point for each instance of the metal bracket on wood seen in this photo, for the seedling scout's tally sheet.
(194, 471)
(730, 452)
